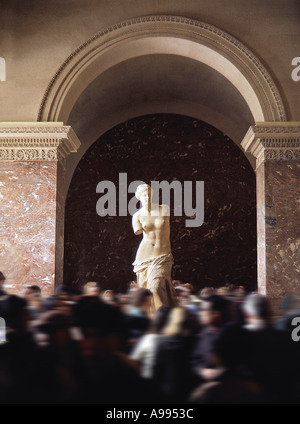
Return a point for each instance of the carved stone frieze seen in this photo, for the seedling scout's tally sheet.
(174, 26)
(273, 142)
(31, 142)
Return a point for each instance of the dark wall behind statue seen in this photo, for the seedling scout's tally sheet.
(164, 147)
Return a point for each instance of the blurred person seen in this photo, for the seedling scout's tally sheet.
(109, 297)
(33, 296)
(145, 351)
(223, 291)
(190, 302)
(30, 290)
(133, 285)
(91, 289)
(258, 313)
(190, 287)
(123, 302)
(104, 377)
(60, 354)
(206, 291)
(173, 377)
(215, 313)
(176, 283)
(62, 301)
(62, 292)
(181, 293)
(271, 358)
(90, 308)
(240, 293)
(21, 372)
(138, 314)
(232, 384)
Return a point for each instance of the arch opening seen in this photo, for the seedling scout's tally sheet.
(156, 148)
(163, 35)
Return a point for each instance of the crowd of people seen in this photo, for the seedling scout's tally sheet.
(219, 346)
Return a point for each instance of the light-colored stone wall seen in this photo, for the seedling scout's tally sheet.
(38, 36)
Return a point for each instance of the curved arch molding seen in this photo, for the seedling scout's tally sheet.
(163, 35)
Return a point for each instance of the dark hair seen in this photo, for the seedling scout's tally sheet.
(220, 304)
(230, 345)
(2, 277)
(91, 313)
(139, 295)
(61, 289)
(50, 321)
(34, 288)
(160, 319)
(12, 310)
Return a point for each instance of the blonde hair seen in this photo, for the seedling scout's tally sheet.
(90, 287)
(178, 323)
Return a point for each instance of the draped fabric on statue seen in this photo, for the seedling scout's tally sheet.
(155, 275)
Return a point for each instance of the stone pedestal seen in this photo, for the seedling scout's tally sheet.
(32, 204)
(276, 147)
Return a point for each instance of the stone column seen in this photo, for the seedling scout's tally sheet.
(32, 204)
(276, 147)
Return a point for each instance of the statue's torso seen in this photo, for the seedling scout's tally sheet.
(156, 234)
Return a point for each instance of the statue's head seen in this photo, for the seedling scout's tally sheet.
(142, 190)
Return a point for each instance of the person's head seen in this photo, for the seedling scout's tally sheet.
(144, 194)
(109, 297)
(257, 308)
(178, 324)
(54, 324)
(62, 292)
(13, 310)
(33, 291)
(239, 292)
(142, 299)
(214, 311)
(206, 291)
(223, 291)
(91, 289)
(103, 326)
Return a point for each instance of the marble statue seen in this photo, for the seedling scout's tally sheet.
(154, 260)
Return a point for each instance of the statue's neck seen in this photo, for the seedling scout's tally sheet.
(152, 210)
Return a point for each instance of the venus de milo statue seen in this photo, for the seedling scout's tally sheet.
(154, 260)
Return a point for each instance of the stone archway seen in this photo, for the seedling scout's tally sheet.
(163, 35)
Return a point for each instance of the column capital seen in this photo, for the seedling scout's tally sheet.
(273, 141)
(36, 141)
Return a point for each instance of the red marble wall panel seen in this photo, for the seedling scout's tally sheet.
(28, 224)
(282, 227)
